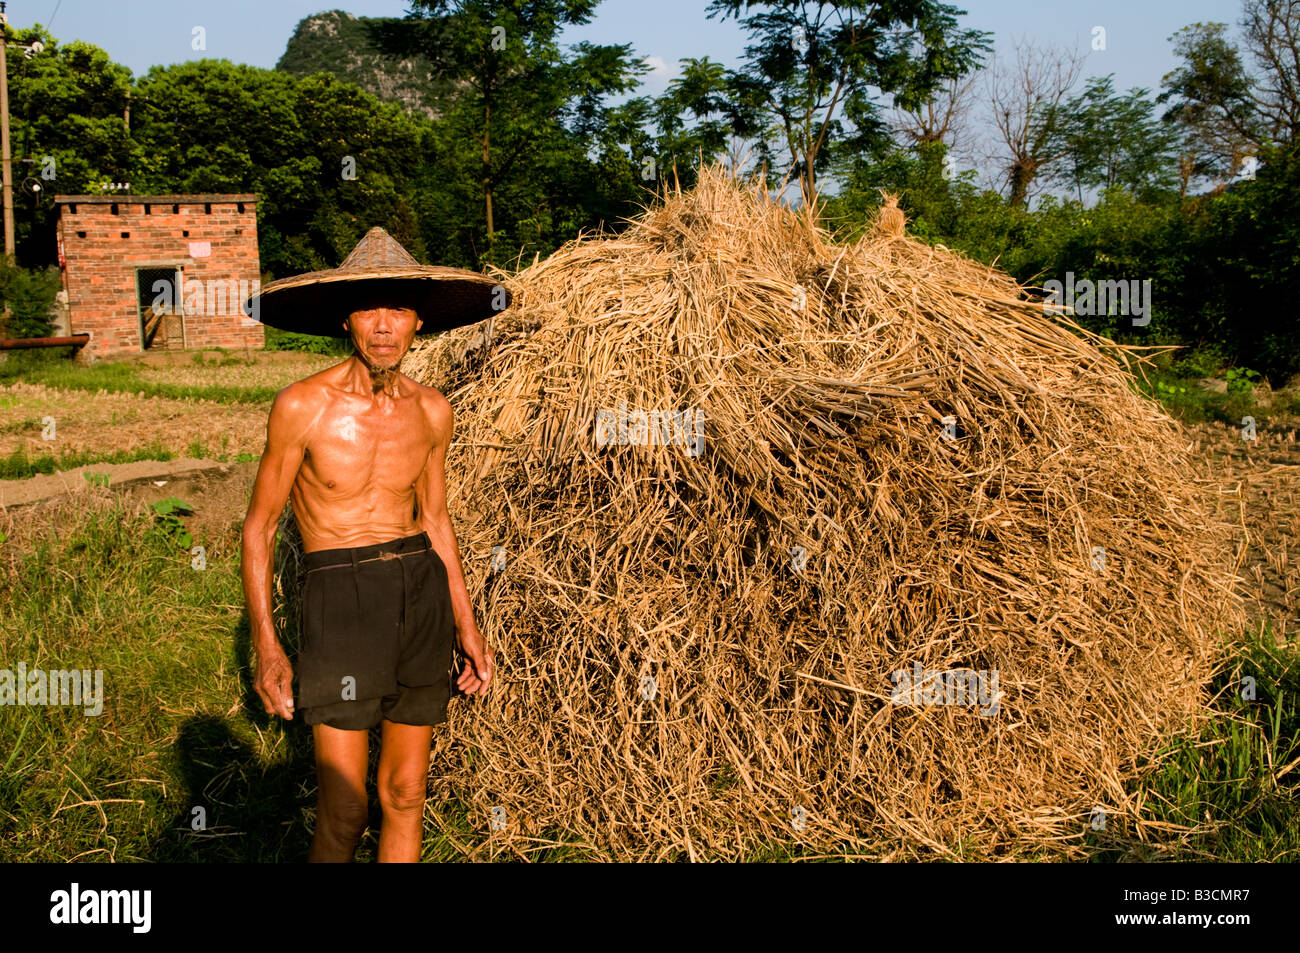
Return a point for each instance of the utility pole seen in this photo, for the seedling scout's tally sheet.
(4, 137)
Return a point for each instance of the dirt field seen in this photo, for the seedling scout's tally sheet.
(106, 422)
(1259, 490)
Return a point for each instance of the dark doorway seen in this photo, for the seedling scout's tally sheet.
(159, 303)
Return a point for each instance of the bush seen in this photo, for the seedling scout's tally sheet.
(277, 340)
(1247, 276)
(29, 296)
(1203, 361)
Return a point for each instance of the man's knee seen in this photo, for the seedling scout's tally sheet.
(345, 813)
(403, 795)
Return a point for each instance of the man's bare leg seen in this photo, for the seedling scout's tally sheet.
(342, 758)
(403, 782)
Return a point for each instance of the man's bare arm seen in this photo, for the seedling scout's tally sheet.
(431, 495)
(292, 414)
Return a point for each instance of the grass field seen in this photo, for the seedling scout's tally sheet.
(103, 583)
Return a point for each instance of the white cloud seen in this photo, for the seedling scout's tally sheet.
(660, 72)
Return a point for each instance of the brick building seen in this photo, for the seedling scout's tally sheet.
(169, 272)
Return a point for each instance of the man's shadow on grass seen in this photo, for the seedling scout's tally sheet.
(250, 788)
(248, 798)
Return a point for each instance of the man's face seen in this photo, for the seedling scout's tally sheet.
(383, 334)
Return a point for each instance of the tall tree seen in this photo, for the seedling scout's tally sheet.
(1027, 105)
(328, 159)
(1211, 103)
(1230, 103)
(811, 63)
(523, 97)
(1272, 31)
(1115, 139)
(698, 117)
(68, 109)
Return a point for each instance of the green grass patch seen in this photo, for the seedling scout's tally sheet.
(277, 340)
(1175, 382)
(18, 465)
(122, 377)
(1235, 784)
(1186, 400)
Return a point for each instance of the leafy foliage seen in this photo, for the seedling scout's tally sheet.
(469, 133)
(28, 294)
(167, 520)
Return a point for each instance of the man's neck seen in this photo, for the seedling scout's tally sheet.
(374, 380)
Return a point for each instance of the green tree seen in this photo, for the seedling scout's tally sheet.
(1115, 139)
(68, 128)
(1229, 109)
(697, 116)
(528, 108)
(28, 295)
(328, 160)
(1244, 280)
(811, 63)
(1210, 101)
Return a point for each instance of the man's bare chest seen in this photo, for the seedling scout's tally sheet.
(354, 446)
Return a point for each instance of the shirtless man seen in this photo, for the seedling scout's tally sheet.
(361, 449)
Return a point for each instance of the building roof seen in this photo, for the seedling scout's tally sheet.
(127, 198)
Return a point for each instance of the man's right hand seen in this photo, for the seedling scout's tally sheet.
(274, 682)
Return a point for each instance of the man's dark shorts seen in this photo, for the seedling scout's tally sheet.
(377, 636)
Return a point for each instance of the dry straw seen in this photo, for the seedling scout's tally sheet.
(952, 463)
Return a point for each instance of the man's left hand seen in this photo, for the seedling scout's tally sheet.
(475, 676)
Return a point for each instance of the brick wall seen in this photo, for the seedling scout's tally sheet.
(210, 239)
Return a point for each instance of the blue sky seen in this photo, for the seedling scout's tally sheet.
(141, 33)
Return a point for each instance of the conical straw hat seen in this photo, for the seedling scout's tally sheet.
(316, 302)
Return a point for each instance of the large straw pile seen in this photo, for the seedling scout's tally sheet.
(826, 376)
